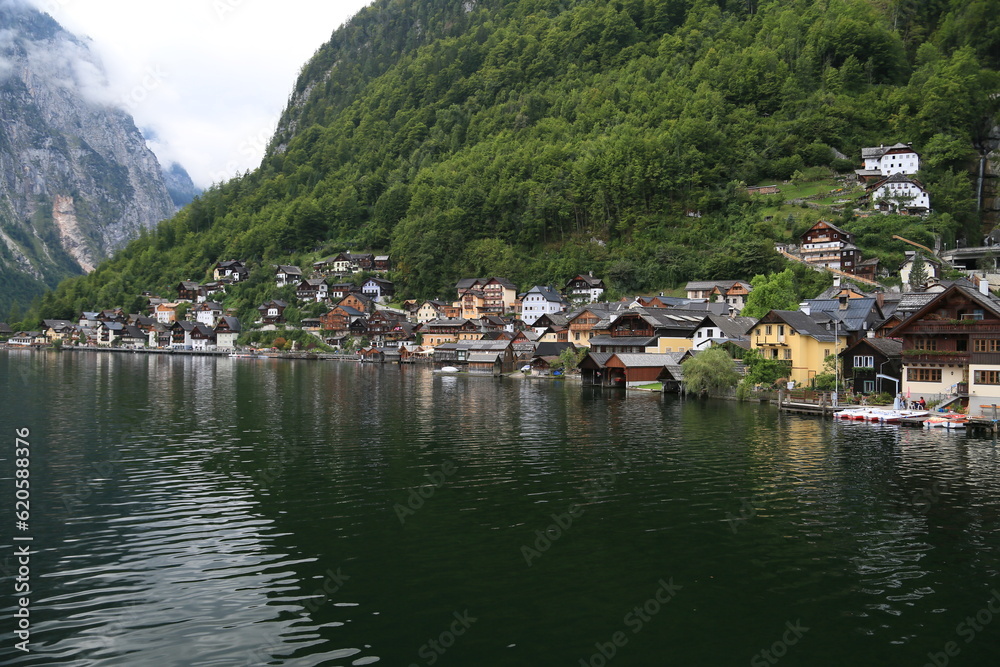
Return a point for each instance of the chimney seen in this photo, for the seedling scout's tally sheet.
(805, 307)
(836, 281)
(880, 299)
(843, 301)
(984, 286)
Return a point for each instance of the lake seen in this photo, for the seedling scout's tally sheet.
(200, 511)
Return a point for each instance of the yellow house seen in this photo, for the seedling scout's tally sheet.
(796, 339)
(429, 310)
(667, 344)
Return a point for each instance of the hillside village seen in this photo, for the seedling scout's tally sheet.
(939, 338)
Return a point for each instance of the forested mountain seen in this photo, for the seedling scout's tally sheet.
(539, 138)
(77, 180)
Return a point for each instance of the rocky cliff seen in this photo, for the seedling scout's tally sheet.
(77, 179)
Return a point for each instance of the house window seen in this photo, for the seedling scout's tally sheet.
(864, 362)
(925, 344)
(987, 377)
(981, 345)
(869, 386)
(788, 353)
(781, 329)
(768, 329)
(923, 374)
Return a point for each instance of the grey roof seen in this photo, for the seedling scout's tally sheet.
(710, 284)
(854, 318)
(899, 177)
(445, 322)
(557, 319)
(5, 328)
(487, 357)
(466, 283)
(600, 358)
(623, 341)
(232, 322)
(733, 327)
(888, 347)
(649, 360)
(293, 270)
(547, 292)
(878, 151)
(806, 325)
(58, 324)
(911, 302)
(314, 282)
(552, 349)
(483, 345)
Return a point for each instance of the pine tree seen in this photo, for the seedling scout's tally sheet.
(918, 273)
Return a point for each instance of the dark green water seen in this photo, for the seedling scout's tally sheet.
(232, 512)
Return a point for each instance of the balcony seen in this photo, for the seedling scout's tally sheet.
(936, 357)
(648, 333)
(955, 326)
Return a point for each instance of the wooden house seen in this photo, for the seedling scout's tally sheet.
(189, 290)
(272, 312)
(584, 288)
(874, 365)
(358, 302)
(951, 347)
(227, 330)
(230, 270)
(339, 318)
(287, 275)
(312, 289)
(378, 290)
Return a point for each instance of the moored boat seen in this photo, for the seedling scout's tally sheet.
(951, 420)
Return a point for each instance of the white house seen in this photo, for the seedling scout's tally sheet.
(208, 313)
(378, 289)
(287, 275)
(584, 288)
(882, 161)
(540, 301)
(900, 193)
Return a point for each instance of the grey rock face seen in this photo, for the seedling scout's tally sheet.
(77, 180)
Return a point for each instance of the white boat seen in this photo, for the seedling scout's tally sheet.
(951, 420)
(879, 415)
(446, 369)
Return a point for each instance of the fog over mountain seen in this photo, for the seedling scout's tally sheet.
(77, 179)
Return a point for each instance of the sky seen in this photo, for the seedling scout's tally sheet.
(205, 79)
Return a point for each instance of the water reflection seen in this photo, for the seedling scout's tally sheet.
(200, 511)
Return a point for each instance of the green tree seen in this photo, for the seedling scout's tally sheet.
(918, 273)
(569, 359)
(710, 371)
(775, 292)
